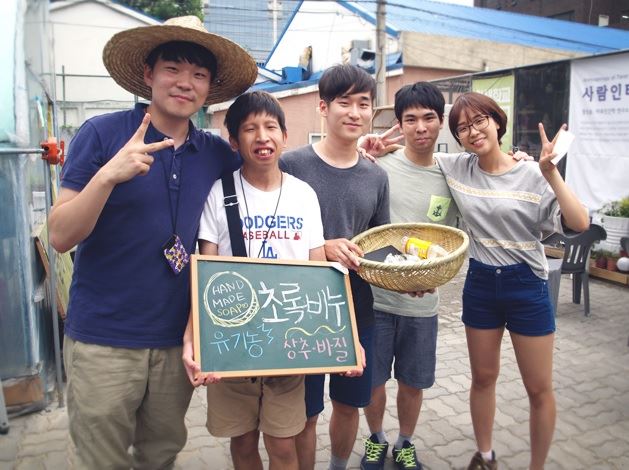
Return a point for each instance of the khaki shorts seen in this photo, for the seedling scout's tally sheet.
(118, 397)
(272, 405)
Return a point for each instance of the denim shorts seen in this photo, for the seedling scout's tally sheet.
(511, 296)
(351, 391)
(412, 342)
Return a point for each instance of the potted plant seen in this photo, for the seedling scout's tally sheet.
(600, 258)
(615, 220)
(618, 208)
(611, 262)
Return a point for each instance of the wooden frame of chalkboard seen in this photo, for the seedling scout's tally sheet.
(261, 317)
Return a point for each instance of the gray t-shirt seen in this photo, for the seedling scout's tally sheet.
(506, 214)
(417, 194)
(352, 200)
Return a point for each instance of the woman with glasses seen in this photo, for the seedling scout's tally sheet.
(507, 205)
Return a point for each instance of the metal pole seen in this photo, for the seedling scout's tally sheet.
(52, 254)
(14, 151)
(274, 12)
(63, 92)
(52, 258)
(381, 54)
(4, 418)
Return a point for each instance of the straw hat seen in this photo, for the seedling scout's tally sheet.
(126, 51)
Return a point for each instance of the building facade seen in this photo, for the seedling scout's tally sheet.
(612, 13)
(81, 28)
(254, 24)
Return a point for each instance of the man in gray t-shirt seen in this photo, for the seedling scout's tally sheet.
(354, 196)
(406, 327)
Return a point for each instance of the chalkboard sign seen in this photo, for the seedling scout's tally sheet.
(260, 317)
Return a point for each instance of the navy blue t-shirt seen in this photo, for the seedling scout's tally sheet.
(123, 291)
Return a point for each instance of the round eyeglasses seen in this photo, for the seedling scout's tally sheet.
(479, 123)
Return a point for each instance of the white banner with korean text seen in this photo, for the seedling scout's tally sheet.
(598, 165)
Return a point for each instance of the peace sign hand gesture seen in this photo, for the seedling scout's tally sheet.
(373, 146)
(134, 157)
(573, 214)
(547, 154)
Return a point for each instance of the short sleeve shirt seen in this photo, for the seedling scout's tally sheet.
(275, 225)
(506, 214)
(352, 200)
(417, 194)
(123, 291)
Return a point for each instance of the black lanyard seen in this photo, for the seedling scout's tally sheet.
(174, 213)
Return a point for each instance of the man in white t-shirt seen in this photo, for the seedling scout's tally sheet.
(280, 218)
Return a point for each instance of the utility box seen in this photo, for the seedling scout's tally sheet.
(293, 74)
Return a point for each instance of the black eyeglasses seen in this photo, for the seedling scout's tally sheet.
(480, 123)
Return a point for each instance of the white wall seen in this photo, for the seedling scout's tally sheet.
(8, 29)
(327, 27)
(80, 32)
(431, 50)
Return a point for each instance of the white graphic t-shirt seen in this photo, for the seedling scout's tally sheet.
(289, 232)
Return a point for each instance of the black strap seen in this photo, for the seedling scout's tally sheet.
(230, 202)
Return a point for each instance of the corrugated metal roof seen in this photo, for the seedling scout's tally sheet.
(424, 16)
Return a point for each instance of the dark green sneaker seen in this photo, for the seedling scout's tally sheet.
(406, 458)
(375, 453)
(479, 463)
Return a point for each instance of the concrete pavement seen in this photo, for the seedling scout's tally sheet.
(591, 376)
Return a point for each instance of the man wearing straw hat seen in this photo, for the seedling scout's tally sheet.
(132, 192)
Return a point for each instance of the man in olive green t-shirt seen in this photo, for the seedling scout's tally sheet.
(406, 327)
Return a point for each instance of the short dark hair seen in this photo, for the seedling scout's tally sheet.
(481, 104)
(254, 102)
(346, 79)
(420, 94)
(183, 51)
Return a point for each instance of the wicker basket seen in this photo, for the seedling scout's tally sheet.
(427, 274)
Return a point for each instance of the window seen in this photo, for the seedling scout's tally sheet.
(566, 16)
(542, 95)
(314, 137)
